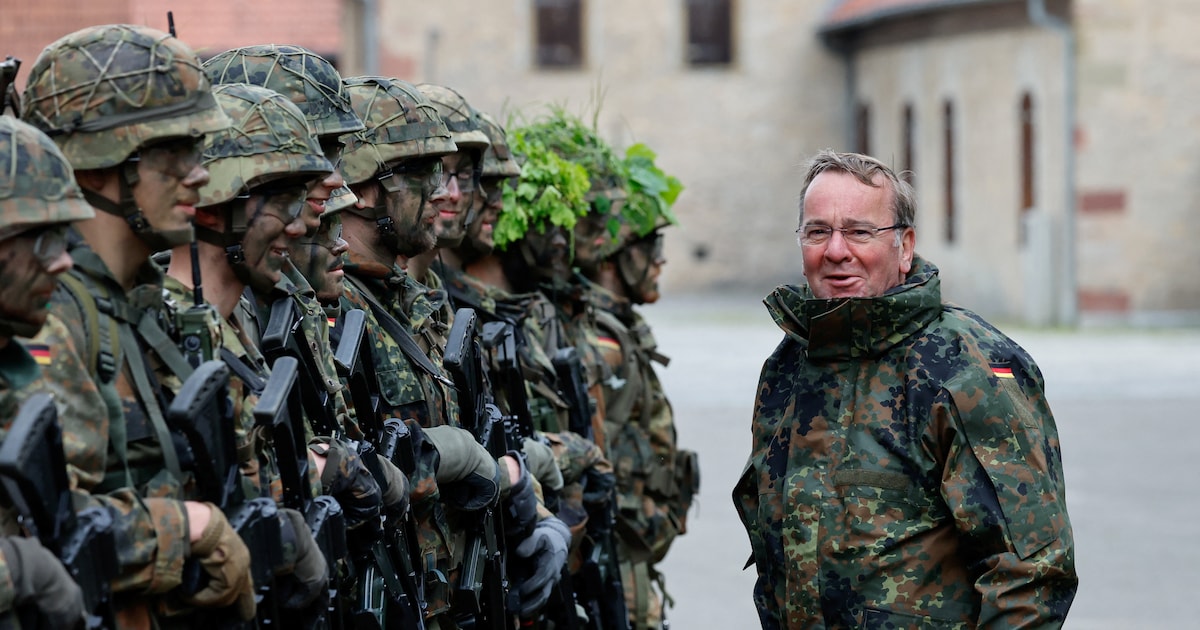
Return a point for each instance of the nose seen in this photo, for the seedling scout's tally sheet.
(296, 228)
(196, 177)
(61, 264)
(453, 192)
(837, 248)
(340, 247)
(439, 193)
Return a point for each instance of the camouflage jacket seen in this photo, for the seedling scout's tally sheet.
(640, 426)
(905, 470)
(254, 315)
(108, 437)
(409, 394)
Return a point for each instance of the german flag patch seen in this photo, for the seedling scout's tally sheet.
(1002, 370)
(608, 343)
(333, 322)
(40, 353)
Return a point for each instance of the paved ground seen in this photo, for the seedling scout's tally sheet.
(1125, 403)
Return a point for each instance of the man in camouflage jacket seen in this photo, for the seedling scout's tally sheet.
(905, 469)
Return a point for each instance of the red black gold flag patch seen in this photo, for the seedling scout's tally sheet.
(1002, 371)
(40, 353)
(608, 343)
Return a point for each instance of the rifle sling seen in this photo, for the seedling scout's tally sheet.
(401, 336)
(139, 371)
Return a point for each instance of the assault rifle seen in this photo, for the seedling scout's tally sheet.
(390, 589)
(568, 371)
(33, 471)
(202, 414)
(483, 584)
(499, 337)
(279, 409)
(284, 337)
(600, 586)
(8, 92)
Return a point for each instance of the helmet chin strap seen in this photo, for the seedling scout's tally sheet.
(127, 208)
(230, 240)
(632, 277)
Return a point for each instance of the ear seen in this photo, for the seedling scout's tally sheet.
(98, 180)
(908, 245)
(367, 196)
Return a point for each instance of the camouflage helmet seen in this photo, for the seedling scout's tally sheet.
(269, 140)
(105, 91)
(498, 160)
(461, 119)
(304, 77)
(37, 184)
(401, 123)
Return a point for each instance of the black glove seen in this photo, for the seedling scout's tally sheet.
(466, 473)
(40, 579)
(520, 508)
(546, 551)
(303, 576)
(347, 480)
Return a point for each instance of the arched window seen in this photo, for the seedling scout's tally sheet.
(1027, 191)
(908, 128)
(948, 148)
(862, 129)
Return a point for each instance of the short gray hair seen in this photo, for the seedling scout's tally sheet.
(864, 168)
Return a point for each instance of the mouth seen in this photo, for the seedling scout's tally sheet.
(317, 205)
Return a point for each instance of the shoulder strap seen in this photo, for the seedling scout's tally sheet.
(103, 344)
(401, 336)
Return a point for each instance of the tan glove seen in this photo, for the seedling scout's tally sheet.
(224, 557)
(39, 578)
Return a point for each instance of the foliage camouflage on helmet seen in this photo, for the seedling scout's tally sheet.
(400, 123)
(461, 119)
(269, 140)
(651, 193)
(498, 158)
(37, 184)
(568, 136)
(304, 77)
(551, 191)
(103, 92)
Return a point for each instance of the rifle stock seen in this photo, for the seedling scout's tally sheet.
(482, 589)
(33, 471)
(384, 592)
(279, 409)
(284, 337)
(568, 369)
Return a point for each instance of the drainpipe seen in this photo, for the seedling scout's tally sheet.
(1068, 300)
(370, 37)
(851, 107)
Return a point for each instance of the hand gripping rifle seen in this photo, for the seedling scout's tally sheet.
(279, 409)
(201, 412)
(600, 574)
(390, 591)
(482, 591)
(499, 337)
(33, 471)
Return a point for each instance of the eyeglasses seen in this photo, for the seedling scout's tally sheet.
(329, 234)
(176, 157)
(49, 243)
(411, 175)
(860, 234)
(464, 177)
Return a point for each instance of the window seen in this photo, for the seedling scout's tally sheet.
(948, 137)
(862, 129)
(1027, 198)
(559, 29)
(908, 128)
(709, 32)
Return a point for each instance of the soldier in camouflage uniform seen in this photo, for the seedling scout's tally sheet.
(128, 106)
(315, 87)
(394, 169)
(656, 481)
(38, 201)
(256, 189)
(906, 469)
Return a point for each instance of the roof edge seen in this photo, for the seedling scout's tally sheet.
(830, 31)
